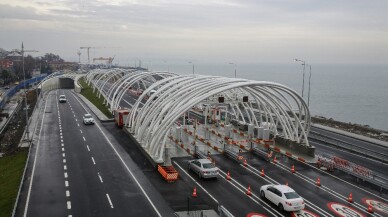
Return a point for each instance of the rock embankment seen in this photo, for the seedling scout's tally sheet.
(364, 130)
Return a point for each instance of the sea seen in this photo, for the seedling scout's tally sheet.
(348, 93)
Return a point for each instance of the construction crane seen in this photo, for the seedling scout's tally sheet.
(88, 48)
(108, 60)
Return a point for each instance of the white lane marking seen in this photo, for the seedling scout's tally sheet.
(64, 167)
(61, 140)
(87, 147)
(64, 161)
(74, 115)
(94, 162)
(61, 137)
(84, 138)
(60, 133)
(78, 124)
(67, 193)
(100, 177)
(69, 216)
(125, 165)
(76, 120)
(110, 202)
(36, 155)
(63, 149)
(60, 127)
(68, 204)
(63, 155)
(62, 144)
(66, 183)
(65, 174)
(80, 130)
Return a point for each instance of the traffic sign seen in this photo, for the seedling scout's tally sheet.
(377, 205)
(255, 215)
(303, 213)
(344, 211)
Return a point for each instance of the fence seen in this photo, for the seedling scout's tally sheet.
(9, 93)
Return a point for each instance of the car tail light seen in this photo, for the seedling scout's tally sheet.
(302, 202)
(288, 203)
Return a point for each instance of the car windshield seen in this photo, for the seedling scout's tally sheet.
(88, 116)
(208, 165)
(291, 195)
(62, 97)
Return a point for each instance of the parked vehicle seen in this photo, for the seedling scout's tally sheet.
(88, 119)
(282, 196)
(204, 168)
(62, 98)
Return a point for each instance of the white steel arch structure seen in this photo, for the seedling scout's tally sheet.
(276, 104)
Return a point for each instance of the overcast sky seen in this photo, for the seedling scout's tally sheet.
(243, 31)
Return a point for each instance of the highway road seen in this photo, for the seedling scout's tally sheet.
(80, 171)
(97, 170)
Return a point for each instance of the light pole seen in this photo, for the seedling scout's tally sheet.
(235, 72)
(22, 51)
(193, 65)
(304, 67)
(308, 98)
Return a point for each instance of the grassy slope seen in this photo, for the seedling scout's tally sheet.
(11, 170)
(87, 91)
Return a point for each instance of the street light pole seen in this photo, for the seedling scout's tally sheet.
(193, 66)
(25, 93)
(304, 67)
(308, 98)
(235, 72)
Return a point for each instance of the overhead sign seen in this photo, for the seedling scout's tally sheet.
(255, 215)
(377, 205)
(303, 213)
(344, 211)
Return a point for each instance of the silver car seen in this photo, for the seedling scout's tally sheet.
(62, 98)
(88, 119)
(204, 168)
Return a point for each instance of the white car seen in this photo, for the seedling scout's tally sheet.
(282, 196)
(88, 119)
(62, 98)
(204, 168)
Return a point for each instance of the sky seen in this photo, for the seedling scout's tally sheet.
(241, 31)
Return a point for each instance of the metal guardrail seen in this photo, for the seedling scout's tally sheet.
(10, 117)
(356, 170)
(349, 146)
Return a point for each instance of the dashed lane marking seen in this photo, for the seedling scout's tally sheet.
(66, 183)
(68, 204)
(80, 131)
(63, 155)
(94, 162)
(76, 120)
(64, 161)
(84, 138)
(62, 144)
(64, 167)
(78, 125)
(67, 193)
(99, 176)
(65, 174)
(110, 202)
(63, 149)
(88, 147)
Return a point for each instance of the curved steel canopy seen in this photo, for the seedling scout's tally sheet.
(154, 114)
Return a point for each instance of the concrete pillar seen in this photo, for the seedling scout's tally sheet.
(178, 133)
(251, 127)
(260, 132)
(266, 134)
(228, 130)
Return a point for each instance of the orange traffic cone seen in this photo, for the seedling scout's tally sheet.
(274, 160)
(194, 192)
(318, 182)
(262, 172)
(249, 193)
(245, 163)
(350, 198)
(293, 168)
(228, 176)
(370, 209)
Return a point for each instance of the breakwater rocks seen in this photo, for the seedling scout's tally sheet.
(364, 130)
